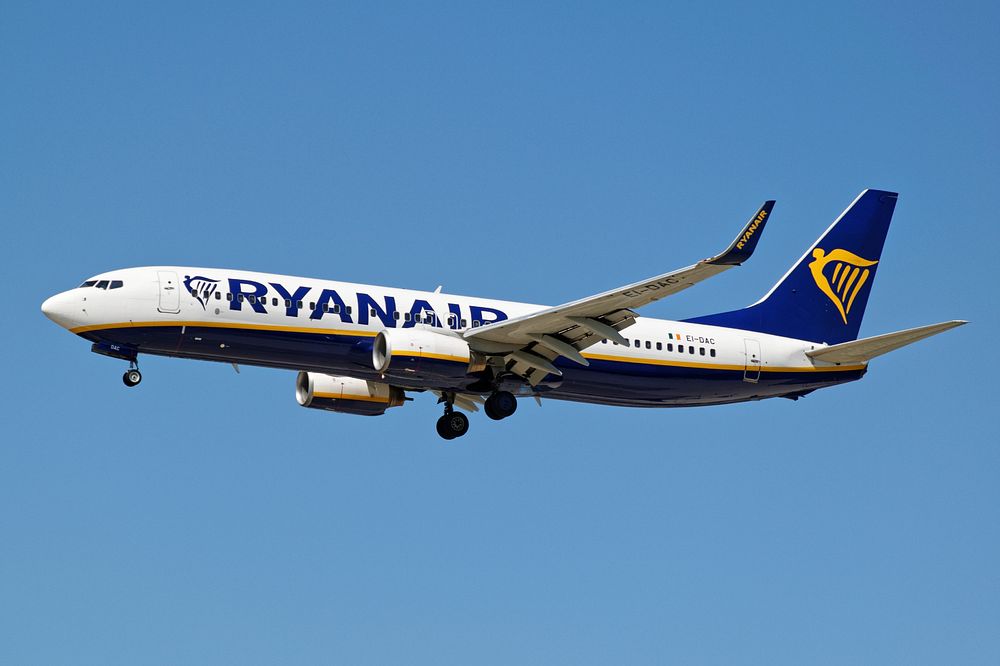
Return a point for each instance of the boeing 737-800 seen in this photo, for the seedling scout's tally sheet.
(360, 349)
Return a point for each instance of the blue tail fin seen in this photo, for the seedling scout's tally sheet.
(822, 298)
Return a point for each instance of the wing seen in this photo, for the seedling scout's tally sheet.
(533, 341)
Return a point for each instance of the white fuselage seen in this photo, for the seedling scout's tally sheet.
(278, 320)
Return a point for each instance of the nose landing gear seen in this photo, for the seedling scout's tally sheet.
(132, 376)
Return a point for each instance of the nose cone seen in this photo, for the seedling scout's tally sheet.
(49, 306)
(62, 309)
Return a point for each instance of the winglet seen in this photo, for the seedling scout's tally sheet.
(741, 248)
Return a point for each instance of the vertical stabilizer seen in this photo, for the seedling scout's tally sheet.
(823, 296)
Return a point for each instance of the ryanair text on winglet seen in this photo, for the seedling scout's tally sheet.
(748, 234)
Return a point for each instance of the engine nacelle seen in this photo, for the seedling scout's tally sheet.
(424, 354)
(346, 394)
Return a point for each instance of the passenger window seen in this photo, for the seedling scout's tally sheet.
(604, 341)
(218, 295)
(373, 314)
(103, 284)
(274, 302)
(475, 323)
(690, 350)
(395, 314)
(701, 350)
(711, 352)
(680, 349)
(240, 298)
(635, 343)
(406, 317)
(347, 309)
(312, 306)
(649, 345)
(336, 308)
(670, 346)
(116, 284)
(464, 323)
(298, 305)
(659, 346)
(251, 298)
(229, 296)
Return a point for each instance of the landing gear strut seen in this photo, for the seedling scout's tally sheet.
(500, 405)
(132, 376)
(453, 424)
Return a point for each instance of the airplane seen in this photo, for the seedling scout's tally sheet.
(363, 349)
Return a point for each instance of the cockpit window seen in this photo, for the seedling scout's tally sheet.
(103, 284)
(116, 284)
(88, 283)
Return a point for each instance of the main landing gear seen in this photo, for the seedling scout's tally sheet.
(453, 424)
(132, 376)
(500, 405)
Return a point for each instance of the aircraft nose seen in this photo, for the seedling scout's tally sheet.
(50, 306)
(58, 308)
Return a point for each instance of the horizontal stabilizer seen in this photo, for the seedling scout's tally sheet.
(862, 351)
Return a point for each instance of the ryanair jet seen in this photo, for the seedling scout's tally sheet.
(362, 349)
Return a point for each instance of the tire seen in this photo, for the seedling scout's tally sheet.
(490, 411)
(132, 377)
(453, 425)
(500, 405)
(442, 428)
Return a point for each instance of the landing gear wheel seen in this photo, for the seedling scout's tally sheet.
(452, 425)
(132, 377)
(500, 405)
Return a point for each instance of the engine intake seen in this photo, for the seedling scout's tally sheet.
(346, 394)
(423, 354)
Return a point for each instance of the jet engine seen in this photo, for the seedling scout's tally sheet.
(415, 354)
(346, 394)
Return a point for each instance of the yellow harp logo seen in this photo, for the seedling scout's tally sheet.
(850, 272)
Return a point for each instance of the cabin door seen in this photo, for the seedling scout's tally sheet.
(751, 370)
(170, 292)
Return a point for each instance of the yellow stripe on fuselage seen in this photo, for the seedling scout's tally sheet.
(717, 366)
(231, 325)
(459, 359)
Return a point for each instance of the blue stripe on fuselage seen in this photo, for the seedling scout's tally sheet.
(618, 382)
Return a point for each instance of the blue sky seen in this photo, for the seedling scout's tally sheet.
(536, 152)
